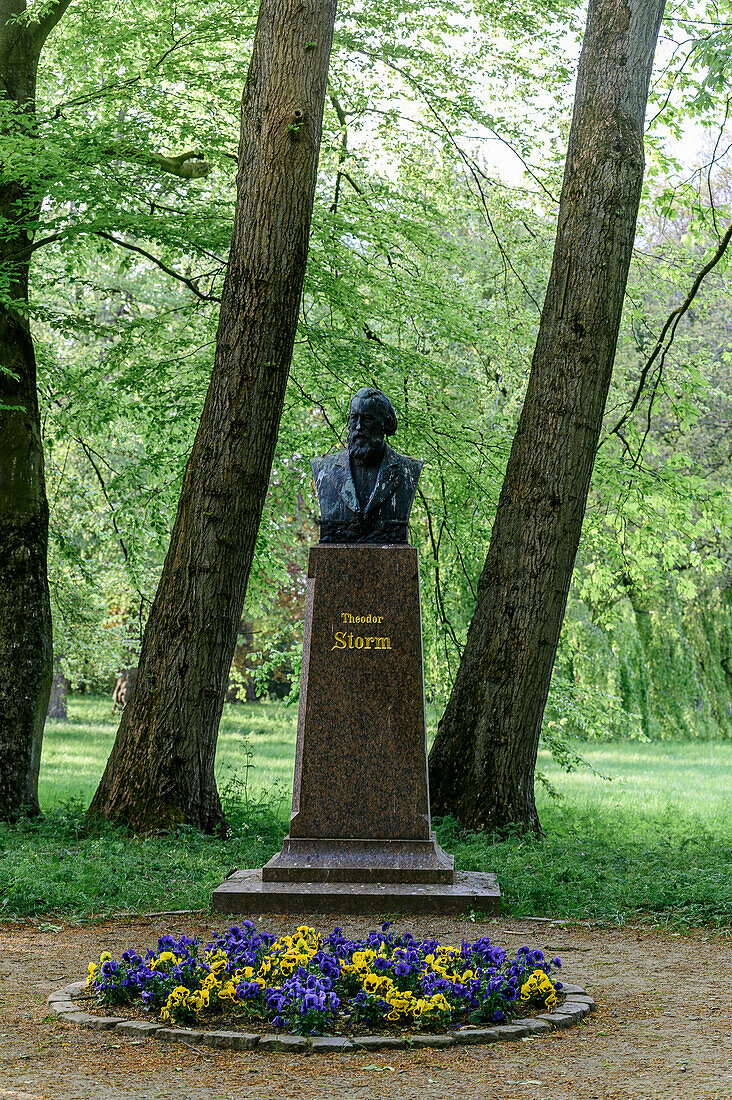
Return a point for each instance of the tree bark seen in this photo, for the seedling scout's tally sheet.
(25, 612)
(58, 701)
(483, 759)
(123, 688)
(160, 771)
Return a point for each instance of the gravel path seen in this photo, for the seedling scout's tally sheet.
(662, 1029)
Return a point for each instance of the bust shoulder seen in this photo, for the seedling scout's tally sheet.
(322, 464)
(331, 474)
(328, 461)
(412, 467)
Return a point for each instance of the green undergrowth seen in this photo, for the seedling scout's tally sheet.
(652, 841)
(59, 865)
(609, 870)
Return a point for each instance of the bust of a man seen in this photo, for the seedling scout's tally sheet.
(366, 491)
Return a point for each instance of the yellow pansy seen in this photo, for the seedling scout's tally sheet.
(228, 992)
(361, 961)
(198, 1000)
(217, 960)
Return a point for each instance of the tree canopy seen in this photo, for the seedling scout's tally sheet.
(427, 271)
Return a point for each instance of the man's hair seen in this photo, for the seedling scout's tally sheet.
(384, 405)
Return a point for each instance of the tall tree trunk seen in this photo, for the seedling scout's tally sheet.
(25, 612)
(123, 688)
(58, 701)
(161, 767)
(482, 762)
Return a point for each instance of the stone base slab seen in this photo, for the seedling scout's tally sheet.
(246, 893)
(305, 859)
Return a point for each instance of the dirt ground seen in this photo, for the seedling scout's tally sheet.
(662, 1029)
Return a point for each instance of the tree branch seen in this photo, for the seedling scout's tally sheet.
(111, 89)
(343, 150)
(112, 509)
(190, 283)
(418, 85)
(50, 18)
(669, 329)
(176, 166)
(435, 542)
(318, 404)
(31, 248)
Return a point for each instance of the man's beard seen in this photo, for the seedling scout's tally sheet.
(367, 450)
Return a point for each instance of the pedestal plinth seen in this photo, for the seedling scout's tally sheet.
(360, 806)
(360, 803)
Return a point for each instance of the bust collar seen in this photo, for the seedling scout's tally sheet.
(381, 488)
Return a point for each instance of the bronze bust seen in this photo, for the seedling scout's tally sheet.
(366, 491)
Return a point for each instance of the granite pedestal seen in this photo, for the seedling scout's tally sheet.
(360, 837)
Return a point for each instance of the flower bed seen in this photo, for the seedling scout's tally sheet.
(307, 985)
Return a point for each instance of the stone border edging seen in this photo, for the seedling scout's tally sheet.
(577, 1005)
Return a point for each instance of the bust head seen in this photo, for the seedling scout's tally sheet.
(370, 419)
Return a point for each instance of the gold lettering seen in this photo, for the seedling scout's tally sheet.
(347, 617)
(355, 641)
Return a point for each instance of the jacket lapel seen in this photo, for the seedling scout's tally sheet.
(348, 492)
(386, 480)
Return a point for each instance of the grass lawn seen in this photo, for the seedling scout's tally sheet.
(75, 751)
(655, 839)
